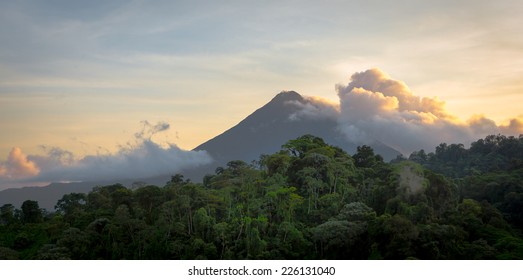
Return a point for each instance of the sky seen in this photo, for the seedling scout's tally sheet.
(84, 82)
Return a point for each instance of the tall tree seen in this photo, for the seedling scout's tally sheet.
(7, 214)
(31, 212)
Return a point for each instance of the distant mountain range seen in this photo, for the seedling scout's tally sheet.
(262, 132)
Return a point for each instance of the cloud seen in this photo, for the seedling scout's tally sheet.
(514, 126)
(146, 159)
(316, 108)
(376, 108)
(377, 84)
(18, 166)
(141, 159)
(149, 130)
(482, 124)
(364, 104)
(373, 107)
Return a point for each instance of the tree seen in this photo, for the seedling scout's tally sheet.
(203, 224)
(338, 238)
(276, 163)
(419, 157)
(7, 214)
(298, 147)
(8, 254)
(31, 212)
(76, 242)
(222, 235)
(365, 157)
(149, 199)
(72, 207)
(345, 235)
(396, 235)
(177, 179)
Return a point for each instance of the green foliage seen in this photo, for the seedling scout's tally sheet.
(31, 212)
(310, 200)
(8, 254)
(7, 214)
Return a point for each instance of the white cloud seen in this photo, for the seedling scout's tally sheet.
(146, 159)
(373, 107)
(142, 159)
(315, 108)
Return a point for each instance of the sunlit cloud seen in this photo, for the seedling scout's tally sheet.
(18, 166)
(514, 126)
(373, 107)
(140, 159)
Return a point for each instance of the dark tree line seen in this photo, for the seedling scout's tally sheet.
(308, 201)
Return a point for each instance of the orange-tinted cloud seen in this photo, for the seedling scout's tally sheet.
(515, 126)
(377, 83)
(374, 107)
(142, 159)
(18, 166)
(362, 103)
(482, 124)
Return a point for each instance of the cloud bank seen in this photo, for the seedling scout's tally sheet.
(141, 159)
(373, 107)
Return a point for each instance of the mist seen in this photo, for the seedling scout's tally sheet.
(141, 158)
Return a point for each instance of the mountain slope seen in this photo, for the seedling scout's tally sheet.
(269, 127)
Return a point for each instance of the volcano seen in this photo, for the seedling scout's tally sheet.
(269, 127)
